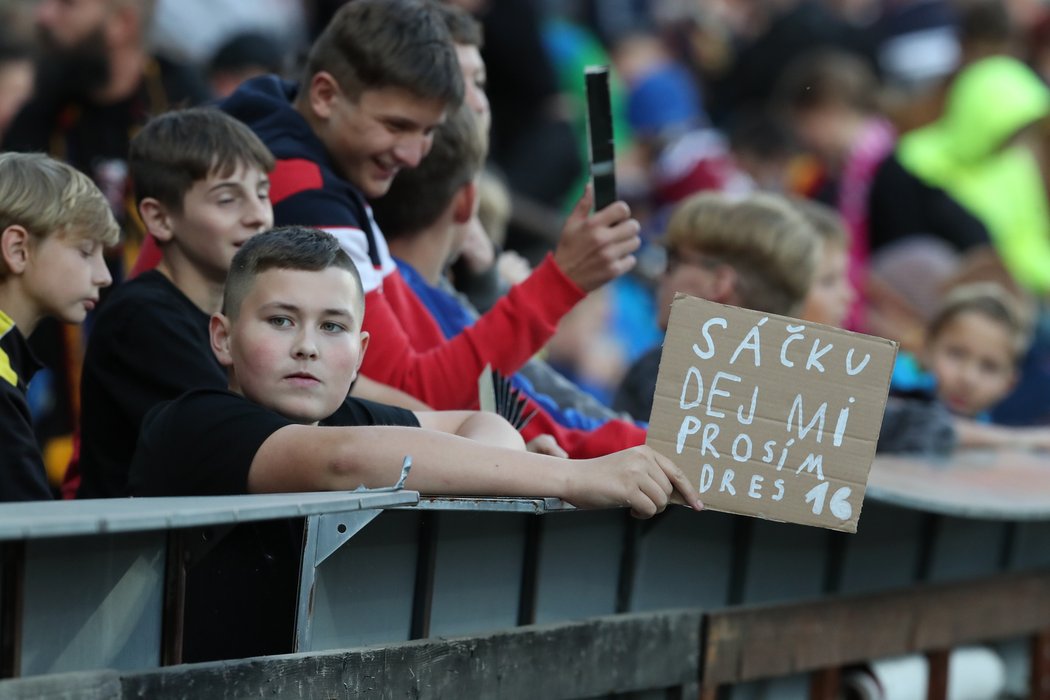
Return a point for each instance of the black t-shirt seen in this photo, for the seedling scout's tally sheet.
(149, 344)
(203, 443)
(22, 475)
(635, 395)
(240, 597)
(902, 205)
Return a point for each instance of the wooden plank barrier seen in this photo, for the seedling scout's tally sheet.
(617, 654)
(755, 642)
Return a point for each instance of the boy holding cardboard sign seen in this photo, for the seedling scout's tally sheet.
(769, 416)
(757, 253)
(289, 336)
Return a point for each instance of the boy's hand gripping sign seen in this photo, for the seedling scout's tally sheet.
(770, 416)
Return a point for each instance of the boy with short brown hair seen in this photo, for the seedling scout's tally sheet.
(290, 337)
(54, 225)
(202, 188)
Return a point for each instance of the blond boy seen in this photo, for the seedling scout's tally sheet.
(54, 225)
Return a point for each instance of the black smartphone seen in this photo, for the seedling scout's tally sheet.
(600, 126)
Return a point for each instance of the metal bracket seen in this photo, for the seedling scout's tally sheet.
(325, 534)
(335, 529)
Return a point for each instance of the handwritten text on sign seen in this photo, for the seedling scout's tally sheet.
(770, 416)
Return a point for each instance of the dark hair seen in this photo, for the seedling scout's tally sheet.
(758, 133)
(828, 77)
(462, 25)
(285, 248)
(417, 196)
(176, 149)
(247, 50)
(389, 43)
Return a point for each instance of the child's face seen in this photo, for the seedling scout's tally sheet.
(16, 85)
(821, 130)
(63, 276)
(218, 215)
(831, 295)
(973, 361)
(296, 344)
(473, 67)
(374, 137)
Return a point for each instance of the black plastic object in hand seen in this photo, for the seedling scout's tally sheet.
(600, 126)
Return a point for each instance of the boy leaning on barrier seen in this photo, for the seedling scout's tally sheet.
(289, 335)
(54, 224)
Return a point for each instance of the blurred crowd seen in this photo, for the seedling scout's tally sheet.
(920, 124)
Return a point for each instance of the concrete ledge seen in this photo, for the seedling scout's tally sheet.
(86, 685)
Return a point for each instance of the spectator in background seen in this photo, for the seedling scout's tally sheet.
(758, 253)
(771, 35)
(917, 44)
(974, 347)
(917, 50)
(681, 151)
(96, 85)
(17, 72)
(974, 344)
(831, 295)
(831, 98)
(979, 157)
(241, 57)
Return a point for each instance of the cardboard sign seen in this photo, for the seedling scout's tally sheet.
(770, 416)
